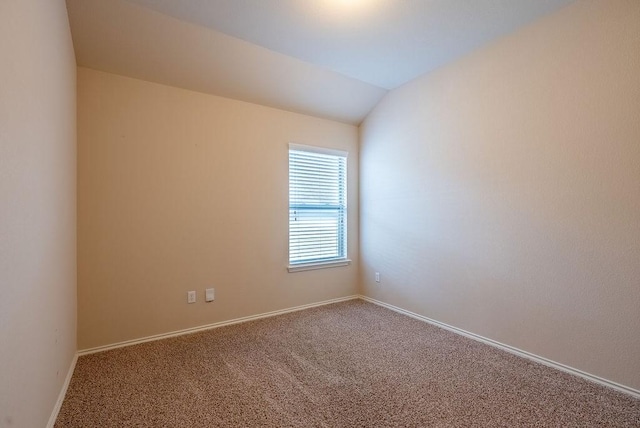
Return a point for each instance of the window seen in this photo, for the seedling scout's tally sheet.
(317, 208)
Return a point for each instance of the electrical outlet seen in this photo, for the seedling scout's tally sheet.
(191, 296)
(209, 294)
(377, 276)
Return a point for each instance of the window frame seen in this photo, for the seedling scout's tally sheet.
(318, 264)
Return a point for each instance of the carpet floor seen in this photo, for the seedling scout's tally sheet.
(350, 364)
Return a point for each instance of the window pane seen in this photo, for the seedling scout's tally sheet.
(317, 207)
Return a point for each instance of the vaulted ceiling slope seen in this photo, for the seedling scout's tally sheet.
(327, 58)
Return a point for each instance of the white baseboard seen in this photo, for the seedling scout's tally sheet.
(547, 362)
(63, 392)
(619, 387)
(210, 326)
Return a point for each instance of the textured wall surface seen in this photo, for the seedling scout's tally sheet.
(179, 191)
(501, 194)
(37, 209)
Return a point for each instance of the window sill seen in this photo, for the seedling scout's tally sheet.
(313, 266)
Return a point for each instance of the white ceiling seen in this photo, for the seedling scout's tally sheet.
(329, 58)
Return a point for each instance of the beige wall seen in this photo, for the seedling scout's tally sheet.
(179, 191)
(501, 194)
(37, 209)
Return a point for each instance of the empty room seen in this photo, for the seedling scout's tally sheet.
(319, 213)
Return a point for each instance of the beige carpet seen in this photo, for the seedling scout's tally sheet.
(350, 364)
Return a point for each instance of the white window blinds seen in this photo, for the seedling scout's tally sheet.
(317, 205)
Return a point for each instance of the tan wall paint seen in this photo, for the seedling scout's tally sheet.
(37, 209)
(501, 194)
(179, 191)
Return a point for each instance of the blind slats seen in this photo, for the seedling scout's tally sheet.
(317, 207)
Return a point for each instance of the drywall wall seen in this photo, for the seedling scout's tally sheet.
(501, 194)
(37, 209)
(179, 191)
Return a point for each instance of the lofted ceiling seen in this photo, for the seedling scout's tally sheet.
(328, 58)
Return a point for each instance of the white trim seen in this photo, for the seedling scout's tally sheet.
(319, 150)
(538, 359)
(320, 265)
(211, 326)
(63, 393)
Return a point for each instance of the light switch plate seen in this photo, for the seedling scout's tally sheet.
(209, 294)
